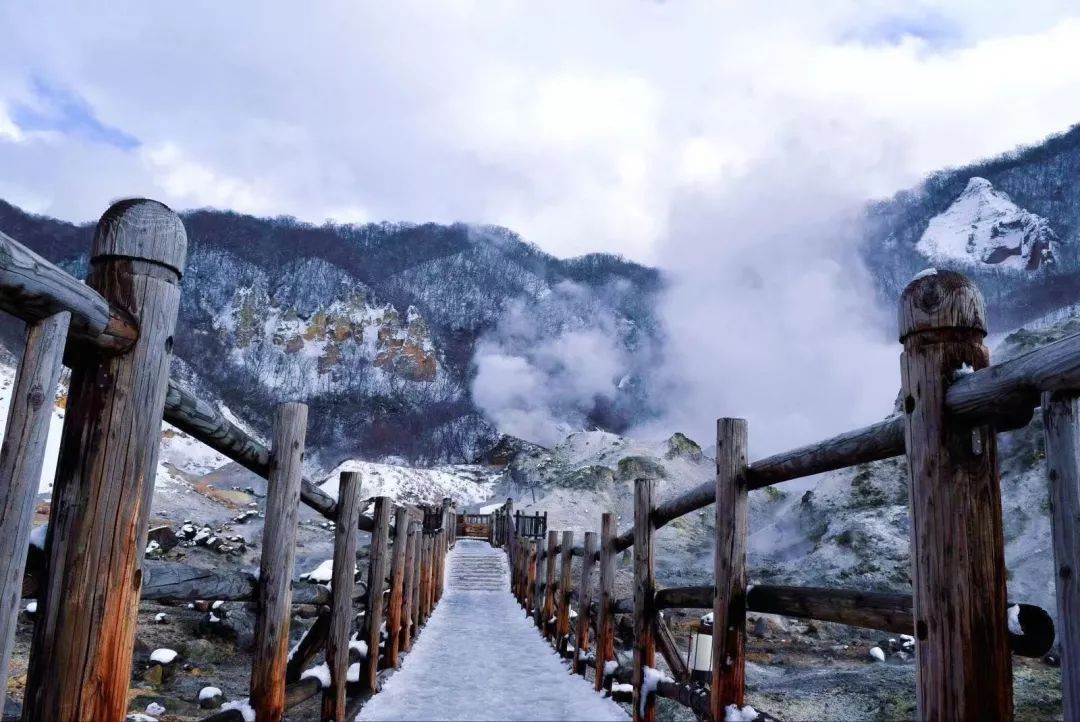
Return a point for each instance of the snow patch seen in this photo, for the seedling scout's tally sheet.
(163, 656)
(733, 713)
(1014, 620)
(877, 654)
(321, 673)
(208, 693)
(243, 707)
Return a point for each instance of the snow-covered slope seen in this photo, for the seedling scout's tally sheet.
(465, 484)
(984, 226)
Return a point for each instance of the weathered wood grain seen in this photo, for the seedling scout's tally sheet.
(562, 617)
(343, 577)
(644, 599)
(397, 587)
(1061, 417)
(81, 658)
(530, 578)
(274, 598)
(378, 559)
(729, 603)
(21, 460)
(581, 643)
(963, 668)
(33, 289)
(605, 623)
(404, 630)
(548, 610)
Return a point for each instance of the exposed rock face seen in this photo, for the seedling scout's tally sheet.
(984, 226)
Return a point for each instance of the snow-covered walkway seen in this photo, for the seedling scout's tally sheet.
(480, 658)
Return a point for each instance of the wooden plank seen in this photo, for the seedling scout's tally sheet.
(538, 586)
(963, 668)
(562, 619)
(530, 579)
(425, 577)
(397, 588)
(548, 610)
(404, 630)
(729, 602)
(1061, 416)
(21, 461)
(588, 563)
(270, 656)
(644, 592)
(373, 619)
(33, 289)
(80, 663)
(605, 623)
(343, 577)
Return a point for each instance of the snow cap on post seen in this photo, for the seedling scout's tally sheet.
(942, 300)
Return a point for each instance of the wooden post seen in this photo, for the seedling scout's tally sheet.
(397, 586)
(425, 576)
(963, 667)
(530, 577)
(538, 590)
(1061, 415)
(342, 583)
(21, 460)
(404, 632)
(729, 595)
(562, 621)
(80, 663)
(644, 599)
(377, 562)
(274, 589)
(588, 561)
(418, 580)
(605, 621)
(549, 589)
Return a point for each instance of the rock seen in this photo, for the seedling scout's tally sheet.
(681, 446)
(877, 653)
(164, 536)
(637, 467)
(1051, 660)
(155, 675)
(210, 698)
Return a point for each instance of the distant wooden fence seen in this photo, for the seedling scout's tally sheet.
(115, 332)
(953, 405)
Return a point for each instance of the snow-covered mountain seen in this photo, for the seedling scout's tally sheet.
(377, 327)
(984, 226)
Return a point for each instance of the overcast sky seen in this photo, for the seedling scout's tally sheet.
(578, 124)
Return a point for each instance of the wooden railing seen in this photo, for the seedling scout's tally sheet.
(115, 332)
(959, 613)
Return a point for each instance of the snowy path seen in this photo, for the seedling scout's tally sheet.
(480, 658)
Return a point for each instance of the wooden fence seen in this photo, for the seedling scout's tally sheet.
(953, 405)
(115, 333)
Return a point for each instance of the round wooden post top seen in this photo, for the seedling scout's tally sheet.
(936, 300)
(142, 229)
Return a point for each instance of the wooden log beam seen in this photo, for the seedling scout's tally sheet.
(963, 669)
(729, 602)
(530, 578)
(21, 461)
(581, 643)
(605, 623)
(1061, 416)
(274, 598)
(313, 642)
(665, 642)
(397, 588)
(33, 289)
(80, 663)
(343, 577)
(644, 599)
(378, 560)
(562, 617)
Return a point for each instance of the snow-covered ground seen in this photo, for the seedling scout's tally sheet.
(480, 657)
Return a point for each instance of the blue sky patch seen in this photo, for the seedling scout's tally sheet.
(58, 109)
